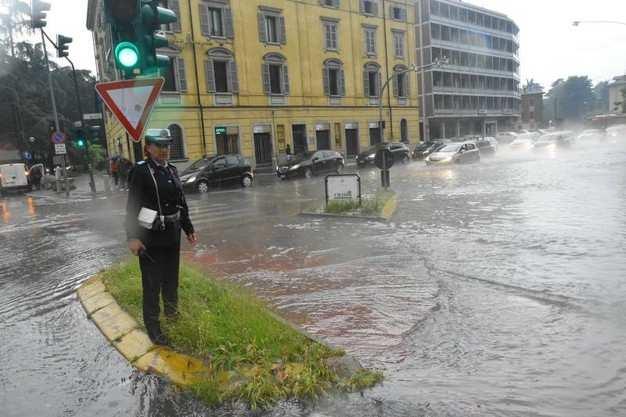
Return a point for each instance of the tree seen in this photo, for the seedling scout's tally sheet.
(13, 20)
(601, 96)
(570, 100)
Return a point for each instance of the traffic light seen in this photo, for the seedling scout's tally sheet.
(134, 26)
(63, 46)
(80, 140)
(38, 10)
(80, 143)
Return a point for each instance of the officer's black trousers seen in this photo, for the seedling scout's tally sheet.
(159, 278)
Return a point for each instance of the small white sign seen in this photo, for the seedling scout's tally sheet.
(92, 116)
(343, 187)
(59, 149)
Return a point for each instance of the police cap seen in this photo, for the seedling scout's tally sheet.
(158, 136)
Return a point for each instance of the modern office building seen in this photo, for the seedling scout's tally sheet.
(477, 90)
(253, 76)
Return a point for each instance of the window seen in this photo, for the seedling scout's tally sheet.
(370, 41)
(398, 44)
(174, 5)
(404, 130)
(175, 77)
(330, 38)
(334, 80)
(400, 82)
(330, 3)
(272, 27)
(369, 7)
(216, 20)
(221, 72)
(398, 13)
(371, 80)
(177, 147)
(275, 75)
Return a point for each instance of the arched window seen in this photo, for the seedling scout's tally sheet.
(275, 75)
(177, 148)
(334, 79)
(371, 79)
(400, 82)
(404, 130)
(221, 72)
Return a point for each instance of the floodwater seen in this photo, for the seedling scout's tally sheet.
(499, 289)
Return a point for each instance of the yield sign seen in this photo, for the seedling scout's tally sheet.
(131, 101)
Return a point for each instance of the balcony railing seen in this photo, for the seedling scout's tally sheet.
(474, 112)
(479, 71)
(476, 91)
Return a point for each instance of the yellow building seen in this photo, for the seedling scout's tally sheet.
(256, 76)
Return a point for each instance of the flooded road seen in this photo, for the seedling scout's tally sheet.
(499, 289)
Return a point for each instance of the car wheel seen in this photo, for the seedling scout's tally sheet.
(308, 173)
(339, 168)
(246, 181)
(203, 186)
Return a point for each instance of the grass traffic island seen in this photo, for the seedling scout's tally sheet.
(379, 206)
(227, 345)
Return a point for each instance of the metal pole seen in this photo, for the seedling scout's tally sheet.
(54, 108)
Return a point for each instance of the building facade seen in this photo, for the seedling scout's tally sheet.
(477, 90)
(532, 108)
(616, 94)
(256, 76)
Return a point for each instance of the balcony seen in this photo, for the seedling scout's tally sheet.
(472, 48)
(478, 71)
(474, 112)
(476, 92)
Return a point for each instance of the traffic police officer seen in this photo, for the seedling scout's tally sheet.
(155, 187)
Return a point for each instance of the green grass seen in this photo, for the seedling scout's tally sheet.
(370, 205)
(253, 356)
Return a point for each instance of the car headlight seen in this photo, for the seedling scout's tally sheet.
(294, 167)
(190, 179)
(448, 159)
(371, 156)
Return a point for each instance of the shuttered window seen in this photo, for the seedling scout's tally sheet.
(330, 3)
(398, 44)
(398, 13)
(371, 80)
(334, 79)
(331, 38)
(272, 27)
(369, 35)
(221, 72)
(369, 7)
(216, 20)
(275, 75)
(400, 82)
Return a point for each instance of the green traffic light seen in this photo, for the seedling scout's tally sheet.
(80, 143)
(127, 55)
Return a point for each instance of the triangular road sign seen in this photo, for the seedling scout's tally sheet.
(131, 101)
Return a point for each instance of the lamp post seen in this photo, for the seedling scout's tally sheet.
(602, 22)
(413, 68)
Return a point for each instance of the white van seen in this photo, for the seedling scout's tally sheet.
(13, 177)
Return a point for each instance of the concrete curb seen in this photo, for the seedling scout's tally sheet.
(389, 209)
(125, 334)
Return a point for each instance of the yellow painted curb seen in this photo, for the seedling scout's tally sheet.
(390, 207)
(125, 334)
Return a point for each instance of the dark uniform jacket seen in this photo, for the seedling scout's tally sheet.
(142, 193)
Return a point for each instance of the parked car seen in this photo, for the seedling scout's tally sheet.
(400, 152)
(216, 171)
(435, 147)
(309, 164)
(552, 140)
(487, 145)
(455, 153)
(13, 178)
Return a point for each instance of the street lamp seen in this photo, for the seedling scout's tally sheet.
(438, 62)
(609, 22)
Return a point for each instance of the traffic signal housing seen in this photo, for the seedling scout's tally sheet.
(134, 25)
(38, 11)
(80, 140)
(63, 46)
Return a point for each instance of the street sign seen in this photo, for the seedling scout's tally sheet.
(59, 149)
(131, 101)
(27, 155)
(384, 159)
(57, 137)
(92, 116)
(343, 187)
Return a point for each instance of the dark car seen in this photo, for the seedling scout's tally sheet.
(421, 150)
(400, 152)
(487, 145)
(436, 146)
(308, 164)
(217, 171)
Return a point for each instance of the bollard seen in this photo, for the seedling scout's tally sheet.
(57, 179)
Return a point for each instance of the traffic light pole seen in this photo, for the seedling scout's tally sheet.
(92, 183)
(54, 108)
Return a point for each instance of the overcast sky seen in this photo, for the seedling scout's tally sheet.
(551, 47)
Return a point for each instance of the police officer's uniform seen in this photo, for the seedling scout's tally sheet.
(160, 262)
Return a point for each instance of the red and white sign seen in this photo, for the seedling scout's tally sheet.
(57, 137)
(131, 101)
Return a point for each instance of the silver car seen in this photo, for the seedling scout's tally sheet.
(455, 153)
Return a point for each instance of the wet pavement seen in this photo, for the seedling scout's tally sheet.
(497, 290)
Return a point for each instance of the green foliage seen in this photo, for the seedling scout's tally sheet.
(570, 99)
(370, 206)
(254, 356)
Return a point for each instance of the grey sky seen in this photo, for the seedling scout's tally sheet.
(551, 47)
